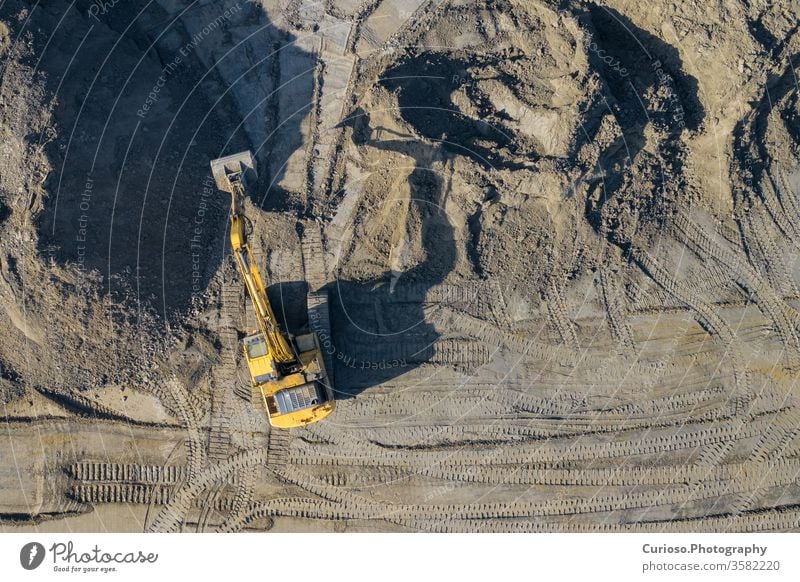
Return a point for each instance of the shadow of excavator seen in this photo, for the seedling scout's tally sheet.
(378, 325)
(378, 329)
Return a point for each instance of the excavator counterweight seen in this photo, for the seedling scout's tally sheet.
(287, 372)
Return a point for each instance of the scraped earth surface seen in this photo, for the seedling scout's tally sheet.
(550, 249)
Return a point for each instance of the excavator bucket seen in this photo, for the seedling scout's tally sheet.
(243, 163)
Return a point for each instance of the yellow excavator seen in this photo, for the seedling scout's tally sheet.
(287, 371)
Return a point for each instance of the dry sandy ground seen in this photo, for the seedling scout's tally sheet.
(551, 249)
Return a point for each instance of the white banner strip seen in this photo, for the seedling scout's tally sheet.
(410, 557)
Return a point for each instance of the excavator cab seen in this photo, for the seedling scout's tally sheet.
(287, 372)
(262, 368)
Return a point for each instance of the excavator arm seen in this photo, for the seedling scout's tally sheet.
(278, 347)
(231, 174)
